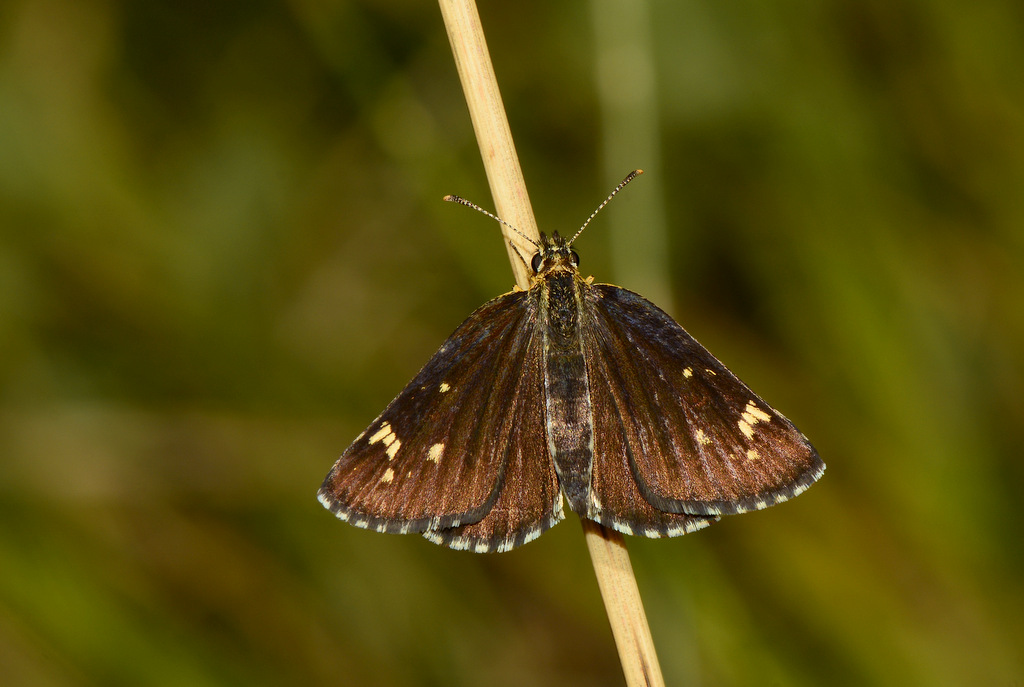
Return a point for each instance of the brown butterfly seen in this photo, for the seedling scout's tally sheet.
(568, 390)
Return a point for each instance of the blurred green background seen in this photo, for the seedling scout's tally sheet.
(223, 251)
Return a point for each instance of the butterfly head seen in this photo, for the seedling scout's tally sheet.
(554, 255)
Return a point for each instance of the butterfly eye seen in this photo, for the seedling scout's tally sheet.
(575, 257)
(536, 262)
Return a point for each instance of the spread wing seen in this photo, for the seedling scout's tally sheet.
(458, 455)
(695, 439)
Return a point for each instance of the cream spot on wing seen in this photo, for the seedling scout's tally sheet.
(752, 415)
(393, 448)
(389, 439)
(710, 372)
(746, 429)
(434, 454)
(384, 430)
(688, 372)
(753, 455)
(389, 476)
(702, 438)
(444, 387)
(757, 413)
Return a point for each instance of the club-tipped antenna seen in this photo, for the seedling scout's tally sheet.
(629, 177)
(462, 201)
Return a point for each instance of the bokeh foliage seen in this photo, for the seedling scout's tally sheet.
(222, 251)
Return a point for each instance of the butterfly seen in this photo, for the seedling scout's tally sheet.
(573, 392)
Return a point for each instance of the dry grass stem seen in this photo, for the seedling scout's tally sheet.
(607, 549)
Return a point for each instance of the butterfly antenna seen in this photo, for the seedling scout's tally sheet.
(629, 177)
(468, 204)
(520, 256)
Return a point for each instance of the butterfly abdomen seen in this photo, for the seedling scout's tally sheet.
(568, 424)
